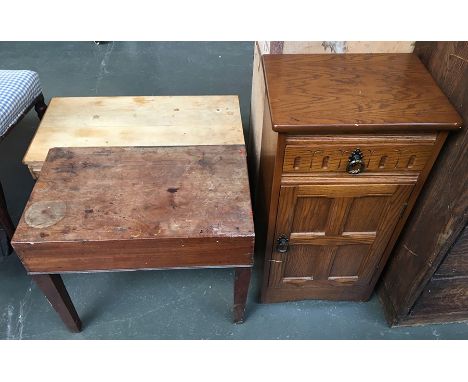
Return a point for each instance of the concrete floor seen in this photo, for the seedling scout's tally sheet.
(178, 304)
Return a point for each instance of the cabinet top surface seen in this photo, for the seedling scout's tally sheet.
(136, 193)
(137, 121)
(355, 92)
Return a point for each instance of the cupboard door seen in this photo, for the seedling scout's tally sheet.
(336, 234)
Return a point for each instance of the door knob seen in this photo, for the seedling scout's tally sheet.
(282, 244)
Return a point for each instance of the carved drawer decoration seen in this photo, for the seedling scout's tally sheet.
(304, 159)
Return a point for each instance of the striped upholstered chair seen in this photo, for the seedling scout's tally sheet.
(20, 91)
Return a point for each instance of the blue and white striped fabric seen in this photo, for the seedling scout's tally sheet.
(18, 89)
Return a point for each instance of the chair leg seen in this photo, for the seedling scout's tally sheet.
(5, 220)
(40, 106)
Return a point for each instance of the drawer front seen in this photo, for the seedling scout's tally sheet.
(386, 154)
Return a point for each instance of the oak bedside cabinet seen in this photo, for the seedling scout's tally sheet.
(347, 143)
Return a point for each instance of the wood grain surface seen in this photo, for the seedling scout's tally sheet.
(336, 233)
(342, 227)
(298, 47)
(443, 297)
(339, 47)
(135, 121)
(241, 289)
(383, 156)
(54, 289)
(440, 215)
(455, 263)
(138, 207)
(354, 93)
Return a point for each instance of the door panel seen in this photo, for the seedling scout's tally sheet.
(348, 259)
(300, 256)
(368, 206)
(337, 233)
(311, 214)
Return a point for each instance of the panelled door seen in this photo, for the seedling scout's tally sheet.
(329, 238)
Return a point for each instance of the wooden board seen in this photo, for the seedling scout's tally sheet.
(439, 216)
(455, 263)
(443, 297)
(135, 208)
(135, 121)
(257, 105)
(354, 93)
(319, 47)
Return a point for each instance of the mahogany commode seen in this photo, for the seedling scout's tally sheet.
(347, 142)
(135, 208)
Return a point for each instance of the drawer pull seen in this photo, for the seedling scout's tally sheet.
(282, 244)
(355, 162)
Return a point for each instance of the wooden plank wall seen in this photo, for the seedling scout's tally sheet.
(412, 289)
(299, 47)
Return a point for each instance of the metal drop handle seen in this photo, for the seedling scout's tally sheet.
(282, 244)
(355, 162)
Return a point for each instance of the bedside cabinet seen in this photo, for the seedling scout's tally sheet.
(347, 143)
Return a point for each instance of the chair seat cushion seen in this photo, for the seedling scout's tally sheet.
(18, 90)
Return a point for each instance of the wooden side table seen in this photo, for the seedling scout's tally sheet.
(347, 144)
(118, 209)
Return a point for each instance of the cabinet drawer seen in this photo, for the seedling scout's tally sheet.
(379, 153)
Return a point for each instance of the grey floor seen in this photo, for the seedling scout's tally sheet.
(178, 304)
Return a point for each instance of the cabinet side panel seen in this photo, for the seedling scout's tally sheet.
(455, 263)
(266, 168)
(256, 120)
(440, 214)
(268, 190)
(443, 297)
